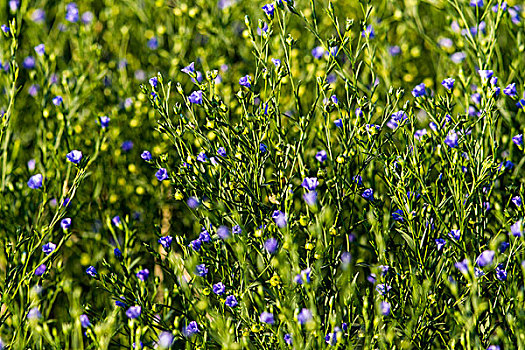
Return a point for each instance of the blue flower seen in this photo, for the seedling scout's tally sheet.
(161, 174)
(304, 316)
(501, 273)
(91, 271)
(202, 157)
(223, 232)
(104, 122)
(35, 181)
(321, 156)
(456, 234)
(276, 62)
(517, 201)
(318, 52)
(165, 340)
(48, 248)
(236, 230)
(40, 49)
(485, 258)
(452, 139)
(288, 339)
(72, 12)
(133, 312)
(153, 82)
(127, 146)
(440, 242)
(384, 308)
(153, 43)
(191, 329)
(476, 3)
(84, 321)
(165, 241)
(74, 156)
(246, 81)
(503, 247)
(448, 83)
(462, 266)
(221, 152)
(267, 317)
(518, 140)
(303, 277)
(280, 218)
(189, 69)
(310, 198)
(117, 253)
(269, 10)
(338, 123)
(398, 215)
(310, 183)
(34, 314)
(419, 90)
(263, 148)
(142, 275)
(39, 271)
(57, 100)
(146, 155)
(368, 32)
(219, 288)
(195, 97)
(271, 245)
(231, 301)
(65, 223)
(394, 50)
(116, 221)
(368, 194)
(516, 229)
(195, 244)
(485, 74)
(383, 289)
(201, 270)
(510, 90)
(193, 202)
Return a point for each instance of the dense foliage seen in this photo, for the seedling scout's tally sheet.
(235, 174)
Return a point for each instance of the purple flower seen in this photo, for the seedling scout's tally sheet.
(193, 202)
(74, 156)
(501, 273)
(165, 340)
(419, 90)
(267, 317)
(189, 69)
(34, 314)
(368, 194)
(456, 234)
(263, 148)
(196, 97)
(440, 242)
(318, 52)
(288, 339)
(87, 17)
(191, 329)
(202, 157)
(368, 32)
(195, 244)
(35, 181)
(116, 221)
(48, 248)
(117, 253)
(503, 247)
(452, 139)
(236, 230)
(458, 57)
(321, 156)
(517, 201)
(510, 90)
(84, 321)
(394, 50)
(65, 223)
(398, 215)
(204, 236)
(338, 123)
(384, 308)
(485, 258)
(303, 277)
(72, 12)
(276, 62)
(146, 155)
(245, 81)
(40, 49)
(494, 347)
(143, 275)
(485, 74)
(201, 270)
(133, 312)
(223, 232)
(382, 289)
(310, 197)
(518, 140)
(154, 82)
(57, 100)
(39, 271)
(33, 89)
(462, 266)
(476, 3)
(399, 116)
(161, 174)
(304, 316)
(358, 180)
(448, 83)
(271, 245)
(153, 43)
(310, 183)
(91, 271)
(127, 146)
(221, 152)
(346, 258)
(219, 288)
(29, 62)
(38, 16)
(418, 134)
(104, 122)
(269, 10)
(280, 218)
(516, 229)
(231, 301)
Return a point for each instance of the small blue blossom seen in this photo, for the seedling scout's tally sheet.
(161, 174)
(48, 248)
(165, 241)
(231, 301)
(35, 181)
(91, 271)
(419, 90)
(74, 157)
